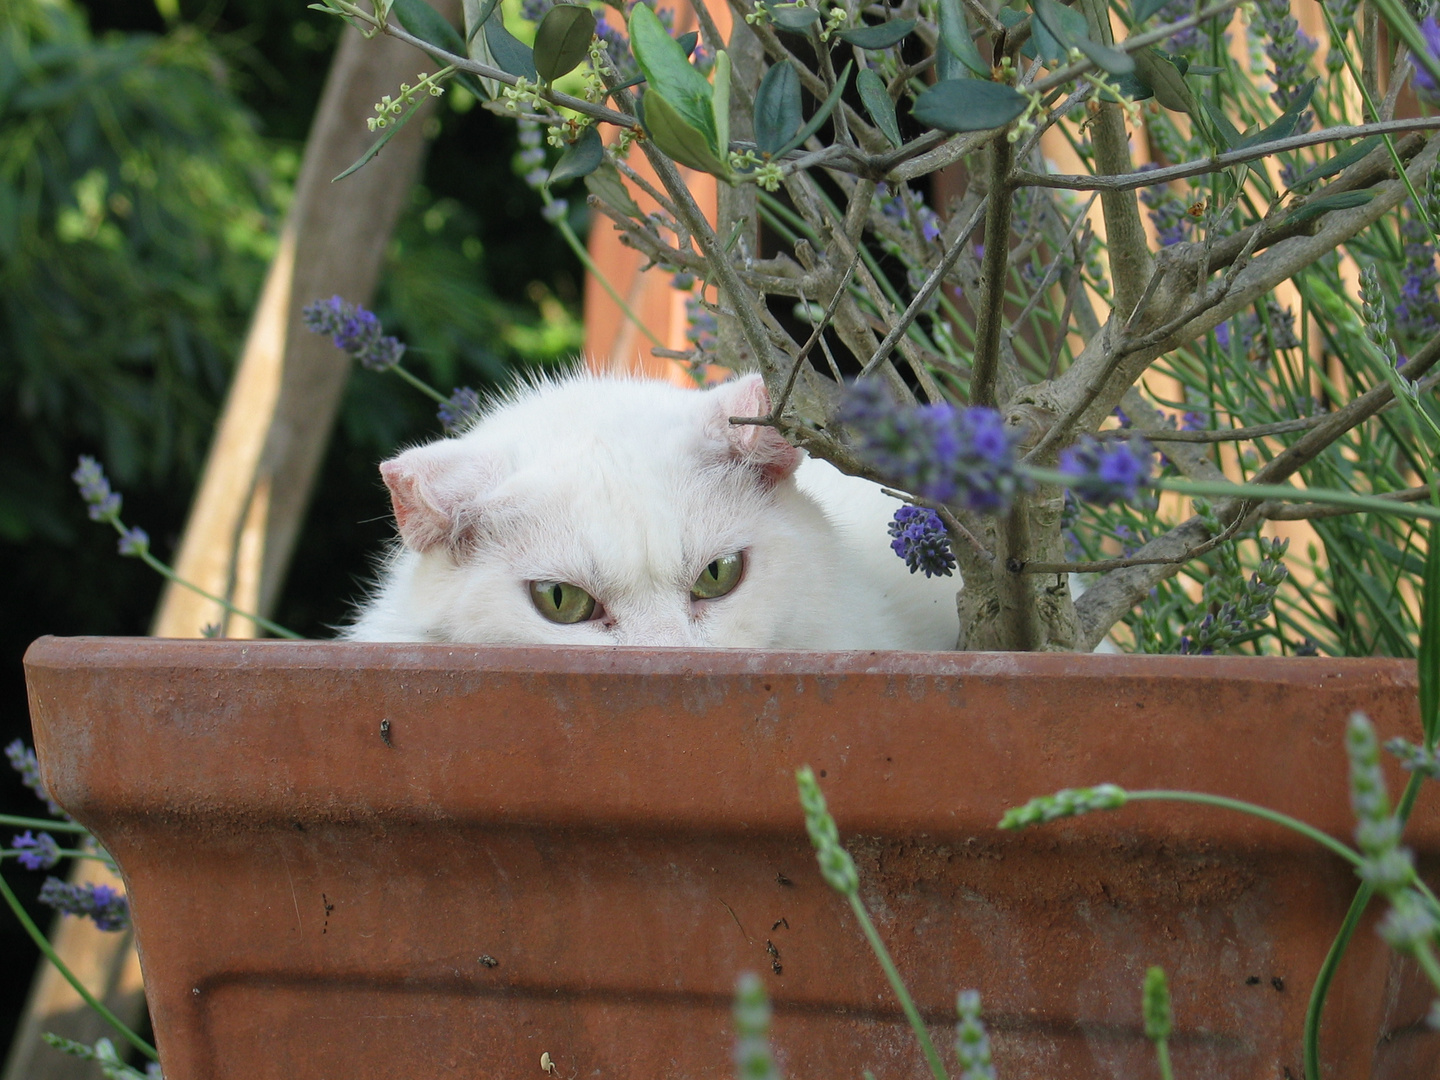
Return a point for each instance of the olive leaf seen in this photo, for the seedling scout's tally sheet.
(797, 18)
(1342, 160)
(677, 137)
(1143, 9)
(955, 35)
(821, 114)
(968, 105)
(562, 40)
(512, 55)
(878, 37)
(670, 74)
(1165, 79)
(689, 41)
(391, 128)
(720, 109)
(777, 108)
(878, 104)
(430, 26)
(482, 15)
(581, 158)
(1057, 29)
(1345, 200)
(1285, 126)
(607, 186)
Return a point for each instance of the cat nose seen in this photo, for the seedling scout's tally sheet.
(664, 631)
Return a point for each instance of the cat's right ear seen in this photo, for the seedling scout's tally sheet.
(435, 491)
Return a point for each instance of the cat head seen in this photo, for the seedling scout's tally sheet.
(603, 510)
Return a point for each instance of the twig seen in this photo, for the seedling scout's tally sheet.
(927, 290)
(1105, 565)
(985, 368)
(1052, 271)
(1132, 180)
(815, 336)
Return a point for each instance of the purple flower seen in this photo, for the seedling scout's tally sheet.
(22, 760)
(1289, 49)
(134, 541)
(939, 451)
(107, 906)
(355, 331)
(1425, 84)
(460, 411)
(929, 224)
(95, 490)
(36, 852)
(701, 326)
(920, 539)
(1193, 421)
(1109, 471)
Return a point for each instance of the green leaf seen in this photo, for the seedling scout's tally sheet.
(1155, 70)
(1285, 126)
(581, 158)
(878, 37)
(678, 138)
(878, 104)
(720, 106)
(955, 33)
(428, 25)
(1339, 162)
(391, 128)
(797, 18)
(1143, 9)
(821, 114)
(1011, 18)
(689, 41)
(482, 16)
(606, 184)
(968, 105)
(1056, 29)
(562, 40)
(778, 112)
(1430, 639)
(670, 73)
(1222, 125)
(1344, 201)
(1105, 58)
(512, 55)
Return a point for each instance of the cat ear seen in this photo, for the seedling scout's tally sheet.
(434, 490)
(762, 448)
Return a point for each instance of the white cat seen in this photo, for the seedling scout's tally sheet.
(601, 511)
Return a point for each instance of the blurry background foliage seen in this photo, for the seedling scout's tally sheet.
(147, 154)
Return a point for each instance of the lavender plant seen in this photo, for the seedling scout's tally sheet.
(988, 333)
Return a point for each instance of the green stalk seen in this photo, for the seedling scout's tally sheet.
(48, 824)
(937, 1068)
(90, 999)
(1162, 1054)
(1294, 824)
(259, 620)
(420, 384)
(1326, 975)
(584, 256)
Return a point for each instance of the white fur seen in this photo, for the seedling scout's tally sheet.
(629, 489)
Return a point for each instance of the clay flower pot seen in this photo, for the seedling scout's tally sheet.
(431, 861)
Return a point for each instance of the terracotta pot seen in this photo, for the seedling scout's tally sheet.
(574, 852)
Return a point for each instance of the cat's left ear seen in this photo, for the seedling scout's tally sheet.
(761, 448)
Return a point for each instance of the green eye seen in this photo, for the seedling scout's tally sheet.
(719, 577)
(561, 602)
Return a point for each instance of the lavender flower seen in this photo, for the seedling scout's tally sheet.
(22, 760)
(1066, 803)
(920, 539)
(1377, 322)
(36, 852)
(972, 1042)
(1343, 14)
(753, 1057)
(1417, 312)
(134, 541)
(535, 10)
(95, 490)
(1288, 47)
(460, 411)
(1109, 471)
(1233, 619)
(701, 326)
(939, 451)
(1168, 213)
(107, 906)
(1425, 84)
(355, 331)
